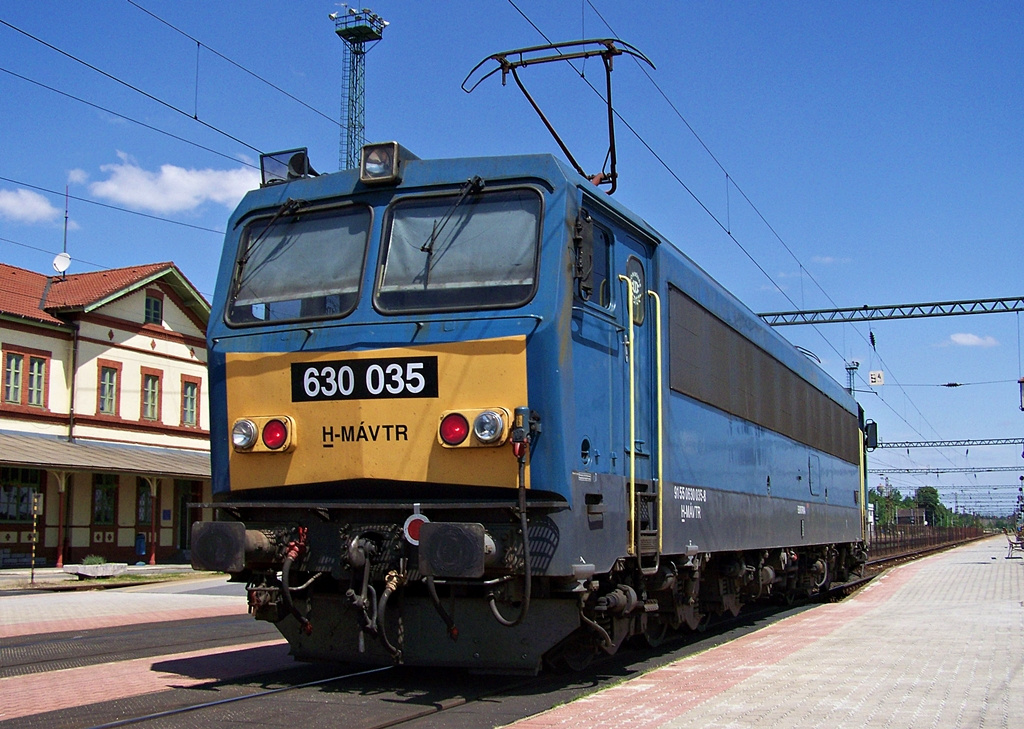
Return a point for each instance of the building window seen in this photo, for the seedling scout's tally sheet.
(108, 389)
(17, 486)
(104, 499)
(189, 402)
(150, 396)
(154, 309)
(143, 503)
(25, 374)
(13, 366)
(36, 381)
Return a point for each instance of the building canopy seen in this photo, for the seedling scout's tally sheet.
(57, 454)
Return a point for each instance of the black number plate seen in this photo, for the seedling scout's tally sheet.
(364, 379)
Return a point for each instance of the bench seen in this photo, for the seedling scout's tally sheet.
(1013, 543)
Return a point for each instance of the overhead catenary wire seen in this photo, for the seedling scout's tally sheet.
(725, 227)
(236, 64)
(52, 253)
(92, 264)
(112, 207)
(124, 83)
(128, 118)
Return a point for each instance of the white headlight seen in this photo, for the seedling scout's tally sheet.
(488, 426)
(378, 163)
(243, 434)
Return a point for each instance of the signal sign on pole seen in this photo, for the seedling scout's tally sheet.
(876, 378)
(37, 511)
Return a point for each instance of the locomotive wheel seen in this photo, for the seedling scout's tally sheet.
(575, 654)
(655, 631)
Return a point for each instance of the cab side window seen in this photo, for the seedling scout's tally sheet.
(602, 254)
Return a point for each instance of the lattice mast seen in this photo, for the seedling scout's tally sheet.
(360, 30)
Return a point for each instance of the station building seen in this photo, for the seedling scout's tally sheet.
(103, 416)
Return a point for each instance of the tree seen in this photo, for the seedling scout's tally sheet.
(927, 498)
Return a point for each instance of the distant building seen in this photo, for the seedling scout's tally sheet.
(103, 412)
(911, 516)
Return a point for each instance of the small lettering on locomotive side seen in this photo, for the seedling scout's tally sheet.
(695, 496)
(690, 511)
(364, 433)
(690, 493)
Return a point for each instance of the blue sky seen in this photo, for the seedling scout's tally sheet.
(882, 142)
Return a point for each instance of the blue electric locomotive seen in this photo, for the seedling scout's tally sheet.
(416, 363)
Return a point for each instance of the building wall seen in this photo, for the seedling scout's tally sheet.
(108, 336)
(55, 345)
(114, 334)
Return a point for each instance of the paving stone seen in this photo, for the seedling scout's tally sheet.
(935, 643)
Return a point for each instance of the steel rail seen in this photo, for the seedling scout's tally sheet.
(234, 699)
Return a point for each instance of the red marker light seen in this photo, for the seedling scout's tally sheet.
(454, 429)
(412, 526)
(275, 433)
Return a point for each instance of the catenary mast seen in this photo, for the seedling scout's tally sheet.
(360, 30)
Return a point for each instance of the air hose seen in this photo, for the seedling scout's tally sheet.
(453, 632)
(527, 569)
(295, 550)
(392, 582)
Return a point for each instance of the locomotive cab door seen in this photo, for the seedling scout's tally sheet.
(617, 328)
(641, 318)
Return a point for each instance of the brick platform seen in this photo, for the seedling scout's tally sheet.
(46, 612)
(39, 613)
(935, 643)
(35, 693)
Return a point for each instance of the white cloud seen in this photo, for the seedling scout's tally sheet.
(973, 340)
(77, 177)
(173, 189)
(25, 206)
(830, 260)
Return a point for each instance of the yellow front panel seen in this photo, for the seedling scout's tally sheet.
(381, 438)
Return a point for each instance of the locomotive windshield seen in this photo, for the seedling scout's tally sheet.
(460, 251)
(300, 265)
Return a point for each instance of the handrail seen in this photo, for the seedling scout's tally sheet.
(661, 424)
(632, 417)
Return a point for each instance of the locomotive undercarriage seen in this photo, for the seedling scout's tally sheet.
(342, 590)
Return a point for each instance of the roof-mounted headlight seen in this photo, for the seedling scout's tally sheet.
(291, 164)
(380, 164)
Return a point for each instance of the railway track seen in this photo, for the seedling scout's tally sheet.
(313, 695)
(375, 698)
(180, 711)
(75, 649)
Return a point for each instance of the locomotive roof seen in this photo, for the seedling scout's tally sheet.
(546, 168)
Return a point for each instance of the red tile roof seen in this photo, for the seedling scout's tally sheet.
(35, 296)
(21, 293)
(81, 289)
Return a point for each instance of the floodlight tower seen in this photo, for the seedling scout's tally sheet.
(360, 30)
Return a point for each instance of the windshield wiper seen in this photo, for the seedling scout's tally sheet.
(288, 207)
(472, 185)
